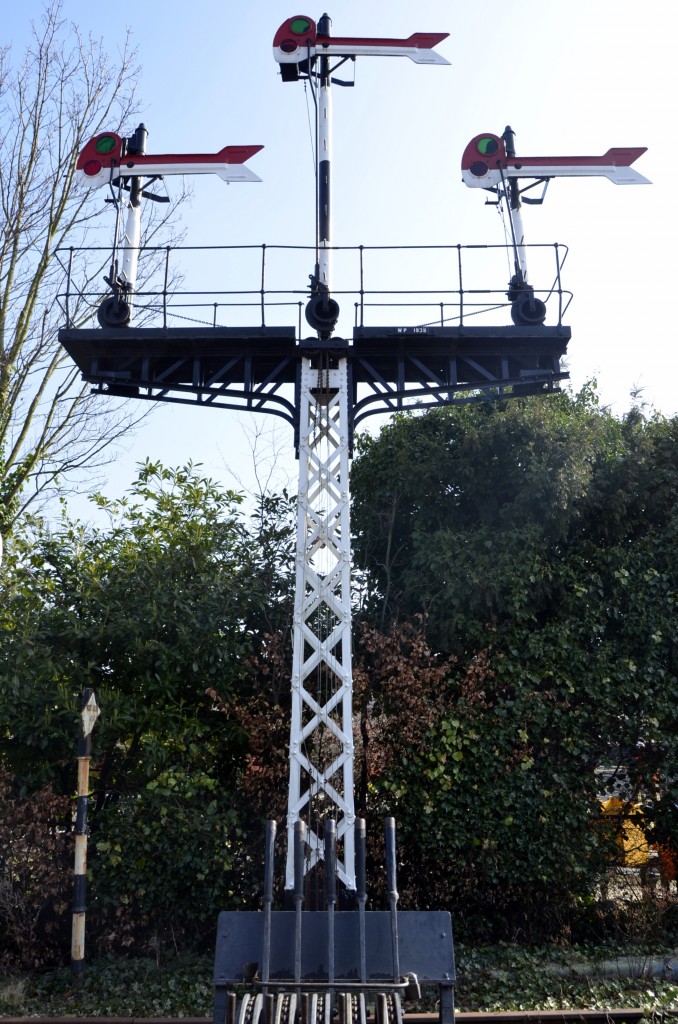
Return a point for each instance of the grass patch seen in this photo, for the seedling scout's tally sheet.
(12, 995)
(491, 978)
(508, 977)
(115, 987)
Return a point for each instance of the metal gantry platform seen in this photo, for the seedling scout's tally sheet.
(257, 369)
(442, 346)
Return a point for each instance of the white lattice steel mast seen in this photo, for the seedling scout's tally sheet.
(321, 729)
(321, 737)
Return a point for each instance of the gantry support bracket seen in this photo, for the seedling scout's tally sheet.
(258, 368)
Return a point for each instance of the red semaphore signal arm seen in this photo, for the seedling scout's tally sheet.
(104, 161)
(485, 162)
(298, 38)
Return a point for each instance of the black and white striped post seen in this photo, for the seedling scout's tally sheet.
(89, 712)
(322, 311)
(324, 164)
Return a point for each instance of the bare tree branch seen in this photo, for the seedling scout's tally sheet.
(64, 91)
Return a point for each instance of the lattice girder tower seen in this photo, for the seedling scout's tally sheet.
(321, 727)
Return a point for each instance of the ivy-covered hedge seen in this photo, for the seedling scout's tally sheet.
(534, 546)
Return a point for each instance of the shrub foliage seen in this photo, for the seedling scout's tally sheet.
(516, 632)
(35, 876)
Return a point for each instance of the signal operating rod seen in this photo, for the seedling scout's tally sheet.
(299, 856)
(269, 854)
(392, 892)
(330, 890)
(361, 890)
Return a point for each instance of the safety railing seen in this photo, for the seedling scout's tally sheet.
(212, 286)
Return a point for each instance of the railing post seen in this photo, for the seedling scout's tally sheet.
(68, 286)
(461, 289)
(263, 284)
(361, 249)
(560, 287)
(164, 289)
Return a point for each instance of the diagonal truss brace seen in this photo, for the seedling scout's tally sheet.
(321, 734)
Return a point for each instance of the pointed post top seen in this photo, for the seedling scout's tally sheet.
(89, 713)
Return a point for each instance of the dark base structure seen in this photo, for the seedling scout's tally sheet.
(426, 955)
(313, 967)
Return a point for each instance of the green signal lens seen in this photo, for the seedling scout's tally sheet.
(488, 146)
(106, 144)
(300, 25)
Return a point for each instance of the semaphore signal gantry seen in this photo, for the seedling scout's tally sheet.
(299, 966)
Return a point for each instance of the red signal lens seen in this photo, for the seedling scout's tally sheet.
(289, 46)
(92, 167)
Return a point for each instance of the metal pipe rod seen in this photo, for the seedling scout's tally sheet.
(132, 240)
(361, 890)
(299, 855)
(330, 890)
(392, 892)
(269, 855)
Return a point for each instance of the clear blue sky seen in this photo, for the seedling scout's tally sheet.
(570, 76)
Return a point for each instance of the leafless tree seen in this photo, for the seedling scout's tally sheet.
(64, 91)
